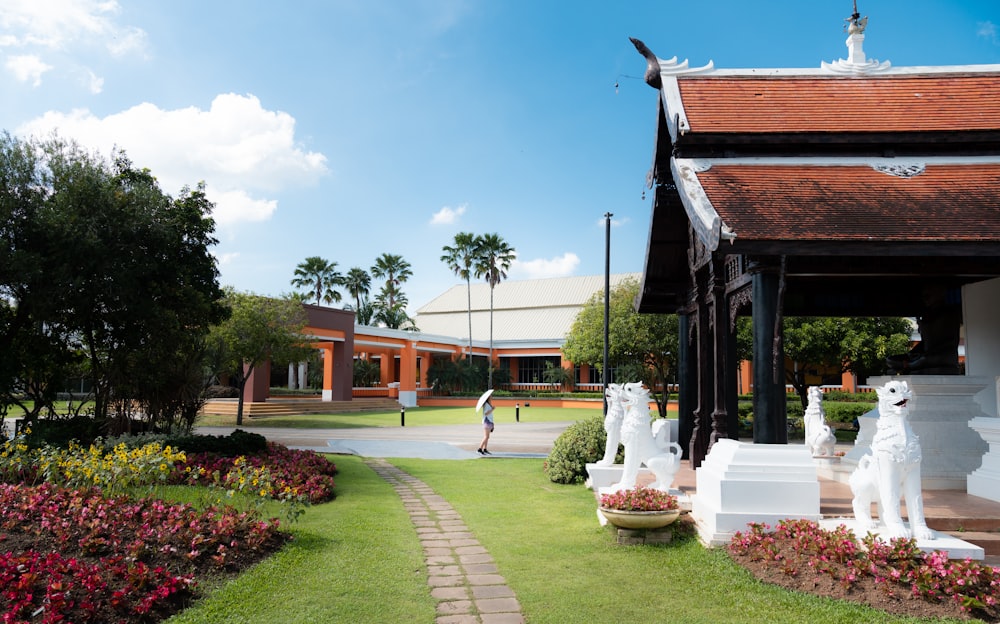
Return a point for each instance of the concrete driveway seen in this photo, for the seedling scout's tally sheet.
(428, 442)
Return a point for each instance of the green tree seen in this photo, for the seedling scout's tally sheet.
(857, 344)
(258, 329)
(358, 283)
(493, 260)
(321, 277)
(106, 272)
(461, 259)
(394, 270)
(638, 344)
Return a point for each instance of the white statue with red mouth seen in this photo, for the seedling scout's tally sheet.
(892, 469)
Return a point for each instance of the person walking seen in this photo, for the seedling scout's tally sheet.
(488, 425)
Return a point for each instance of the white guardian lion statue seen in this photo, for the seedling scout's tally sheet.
(819, 437)
(643, 446)
(892, 469)
(613, 423)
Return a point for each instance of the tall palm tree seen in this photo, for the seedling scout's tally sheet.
(358, 283)
(320, 276)
(493, 260)
(395, 271)
(461, 258)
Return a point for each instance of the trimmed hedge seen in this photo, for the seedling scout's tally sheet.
(580, 444)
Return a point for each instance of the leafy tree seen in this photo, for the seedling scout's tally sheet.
(365, 314)
(102, 270)
(394, 270)
(461, 259)
(321, 277)
(493, 259)
(358, 283)
(638, 344)
(557, 375)
(258, 329)
(856, 344)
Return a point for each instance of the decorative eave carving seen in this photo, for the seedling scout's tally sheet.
(705, 221)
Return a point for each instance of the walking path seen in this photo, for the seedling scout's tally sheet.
(462, 575)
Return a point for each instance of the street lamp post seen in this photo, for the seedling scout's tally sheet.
(606, 372)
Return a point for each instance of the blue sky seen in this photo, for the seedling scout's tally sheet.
(349, 128)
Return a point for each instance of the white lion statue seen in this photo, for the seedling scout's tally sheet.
(892, 469)
(613, 423)
(819, 437)
(642, 447)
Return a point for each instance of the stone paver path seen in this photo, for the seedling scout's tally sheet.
(461, 574)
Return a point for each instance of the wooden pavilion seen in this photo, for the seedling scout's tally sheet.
(852, 189)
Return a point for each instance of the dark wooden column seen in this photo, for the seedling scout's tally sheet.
(719, 311)
(769, 400)
(701, 434)
(687, 373)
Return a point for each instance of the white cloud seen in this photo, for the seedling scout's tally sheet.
(94, 83)
(987, 30)
(614, 222)
(27, 68)
(560, 266)
(239, 149)
(448, 215)
(59, 24)
(228, 258)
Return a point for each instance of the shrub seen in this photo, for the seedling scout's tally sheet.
(581, 443)
(846, 412)
(237, 443)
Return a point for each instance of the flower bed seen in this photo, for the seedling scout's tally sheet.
(894, 576)
(73, 555)
(280, 473)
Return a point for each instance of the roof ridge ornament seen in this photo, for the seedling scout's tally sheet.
(657, 67)
(856, 62)
(905, 169)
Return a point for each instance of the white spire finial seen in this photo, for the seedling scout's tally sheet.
(856, 62)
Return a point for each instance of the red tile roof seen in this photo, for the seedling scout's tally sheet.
(891, 103)
(946, 203)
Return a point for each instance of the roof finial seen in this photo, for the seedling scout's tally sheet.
(856, 62)
(855, 23)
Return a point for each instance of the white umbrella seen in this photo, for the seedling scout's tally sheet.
(482, 399)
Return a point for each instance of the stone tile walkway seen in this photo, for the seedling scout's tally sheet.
(462, 576)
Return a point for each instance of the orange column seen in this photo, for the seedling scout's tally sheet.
(327, 348)
(408, 374)
(386, 375)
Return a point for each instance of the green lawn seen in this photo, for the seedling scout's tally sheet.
(357, 559)
(415, 417)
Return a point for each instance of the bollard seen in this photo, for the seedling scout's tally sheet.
(517, 412)
(402, 416)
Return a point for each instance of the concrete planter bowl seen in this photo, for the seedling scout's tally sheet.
(640, 519)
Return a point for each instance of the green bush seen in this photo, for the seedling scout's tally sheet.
(59, 432)
(581, 443)
(237, 443)
(846, 412)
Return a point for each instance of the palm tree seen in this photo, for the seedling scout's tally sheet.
(493, 260)
(395, 271)
(358, 283)
(461, 258)
(320, 276)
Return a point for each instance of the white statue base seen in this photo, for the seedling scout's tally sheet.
(953, 547)
(599, 477)
(985, 482)
(940, 414)
(740, 482)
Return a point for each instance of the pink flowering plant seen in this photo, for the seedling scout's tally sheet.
(800, 549)
(74, 555)
(639, 499)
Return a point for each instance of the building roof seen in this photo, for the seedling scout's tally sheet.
(864, 179)
(526, 310)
